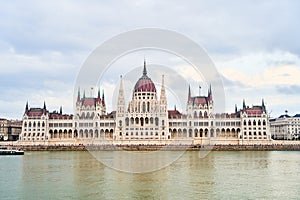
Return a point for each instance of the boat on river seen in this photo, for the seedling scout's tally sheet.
(11, 152)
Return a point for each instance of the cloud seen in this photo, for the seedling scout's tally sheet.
(262, 68)
(42, 48)
(288, 89)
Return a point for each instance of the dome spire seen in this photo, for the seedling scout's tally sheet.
(145, 70)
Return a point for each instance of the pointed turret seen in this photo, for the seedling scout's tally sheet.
(26, 107)
(235, 109)
(210, 93)
(244, 104)
(98, 97)
(163, 99)
(78, 94)
(44, 105)
(83, 94)
(263, 105)
(121, 99)
(103, 101)
(189, 95)
(60, 110)
(145, 70)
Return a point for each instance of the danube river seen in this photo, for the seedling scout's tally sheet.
(219, 175)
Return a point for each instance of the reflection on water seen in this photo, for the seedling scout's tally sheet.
(220, 175)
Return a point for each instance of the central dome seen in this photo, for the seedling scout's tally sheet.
(144, 84)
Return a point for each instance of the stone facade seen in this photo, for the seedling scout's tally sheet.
(285, 127)
(146, 120)
(10, 129)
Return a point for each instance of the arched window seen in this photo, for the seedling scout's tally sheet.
(200, 114)
(162, 122)
(33, 124)
(39, 124)
(156, 121)
(144, 107)
(136, 120)
(151, 120)
(245, 123)
(131, 120)
(127, 121)
(264, 122)
(148, 106)
(195, 114)
(43, 124)
(120, 123)
(254, 123)
(259, 123)
(146, 120)
(249, 123)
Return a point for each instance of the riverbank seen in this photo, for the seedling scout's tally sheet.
(255, 147)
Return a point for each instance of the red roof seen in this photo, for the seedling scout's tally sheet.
(174, 113)
(144, 84)
(89, 101)
(36, 112)
(56, 115)
(199, 100)
(253, 112)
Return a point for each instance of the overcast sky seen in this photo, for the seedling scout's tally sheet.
(254, 45)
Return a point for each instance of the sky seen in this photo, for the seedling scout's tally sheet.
(253, 44)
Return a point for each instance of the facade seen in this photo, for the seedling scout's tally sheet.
(146, 116)
(285, 127)
(146, 120)
(10, 129)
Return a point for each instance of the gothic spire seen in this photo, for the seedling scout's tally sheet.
(60, 110)
(244, 104)
(189, 94)
(78, 94)
(163, 98)
(121, 99)
(103, 101)
(44, 105)
(98, 97)
(26, 107)
(145, 70)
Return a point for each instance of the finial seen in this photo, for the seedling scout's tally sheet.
(145, 70)
(26, 108)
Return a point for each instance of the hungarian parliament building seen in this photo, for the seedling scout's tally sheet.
(146, 120)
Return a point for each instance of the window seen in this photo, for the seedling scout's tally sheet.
(156, 121)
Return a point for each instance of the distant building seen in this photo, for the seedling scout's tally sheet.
(285, 127)
(10, 129)
(145, 119)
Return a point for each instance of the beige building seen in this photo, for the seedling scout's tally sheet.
(146, 120)
(10, 129)
(285, 127)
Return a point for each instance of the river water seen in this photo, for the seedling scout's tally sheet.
(219, 175)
